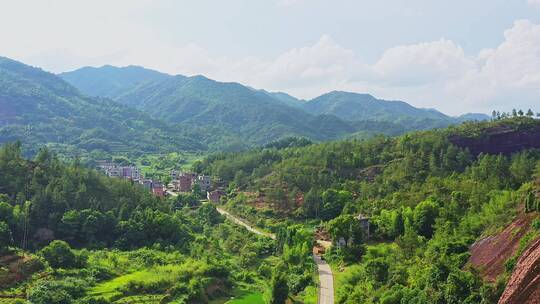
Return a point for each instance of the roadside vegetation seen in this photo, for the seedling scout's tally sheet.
(71, 235)
(428, 201)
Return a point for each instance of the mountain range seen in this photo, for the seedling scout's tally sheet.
(118, 109)
(215, 110)
(40, 108)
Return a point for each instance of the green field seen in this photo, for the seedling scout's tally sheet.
(155, 276)
(248, 298)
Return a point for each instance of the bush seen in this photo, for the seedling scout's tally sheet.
(536, 224)
(58, 292)
(59, 255)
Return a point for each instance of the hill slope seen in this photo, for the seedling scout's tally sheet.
(40, 108)
(358, 107)
(109, 81)
(234, 116)
(254, 116)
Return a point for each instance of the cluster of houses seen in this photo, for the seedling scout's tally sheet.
(132, 173)
(114, 170)
(186, 181)
(181, 181)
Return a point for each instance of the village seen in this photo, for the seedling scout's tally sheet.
(180, 181)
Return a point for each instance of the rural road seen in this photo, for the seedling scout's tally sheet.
(326, 278)
(242, 223)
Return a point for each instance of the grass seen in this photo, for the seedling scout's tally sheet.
(160, 165)
(112, 289)
(310, 295)
(143, 299)
(11, 301)
(248, 298)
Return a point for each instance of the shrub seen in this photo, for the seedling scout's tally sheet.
(59, 255)
(58, 292)
(536, 224)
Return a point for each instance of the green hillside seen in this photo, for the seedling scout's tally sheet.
(109, 81)
(230, 116)
(362, 107)
(40, 108)
(427, 197)
(199, 103)
(69, 234)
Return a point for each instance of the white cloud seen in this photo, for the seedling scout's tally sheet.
(420, 63)
(431, 74)
(509, 75)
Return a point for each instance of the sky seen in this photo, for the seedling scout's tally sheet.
(456, 56)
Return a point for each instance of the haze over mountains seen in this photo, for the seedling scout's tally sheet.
(39, 108)
(137, 109)
(255, 116)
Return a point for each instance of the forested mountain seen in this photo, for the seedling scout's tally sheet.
(360, 107)
(110, 81)
(253, 116)
(40, 108)
(286, 98)
(429, 196)
(233, 116)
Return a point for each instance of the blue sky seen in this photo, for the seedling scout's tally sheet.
(457, 56)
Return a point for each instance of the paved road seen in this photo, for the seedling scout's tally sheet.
(326, 278)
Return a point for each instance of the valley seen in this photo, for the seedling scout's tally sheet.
(126, 185)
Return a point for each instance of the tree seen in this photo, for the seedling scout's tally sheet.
(530, 113)
(460, 288)
(59, 255)
(333, 202)
(514, 113)
(521, 168)
(279, 289)
(6, 212)
(530, 202)
(208, 215)
(196, 190)
(186, 199)
(377, 269)
(424, 216)
(6, 238)
(520, 112)
(346, 227)
(312, 203)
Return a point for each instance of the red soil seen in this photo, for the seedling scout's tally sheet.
(524, 284)
(489, 254)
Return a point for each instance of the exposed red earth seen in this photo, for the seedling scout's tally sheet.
(489, 254)
(524, 284)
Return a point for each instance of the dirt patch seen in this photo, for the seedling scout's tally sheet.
(524, 284)
(370, 173)
(15, 269)
(489, 254)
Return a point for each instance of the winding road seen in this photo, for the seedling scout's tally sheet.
(326, 278)
(241, 222)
